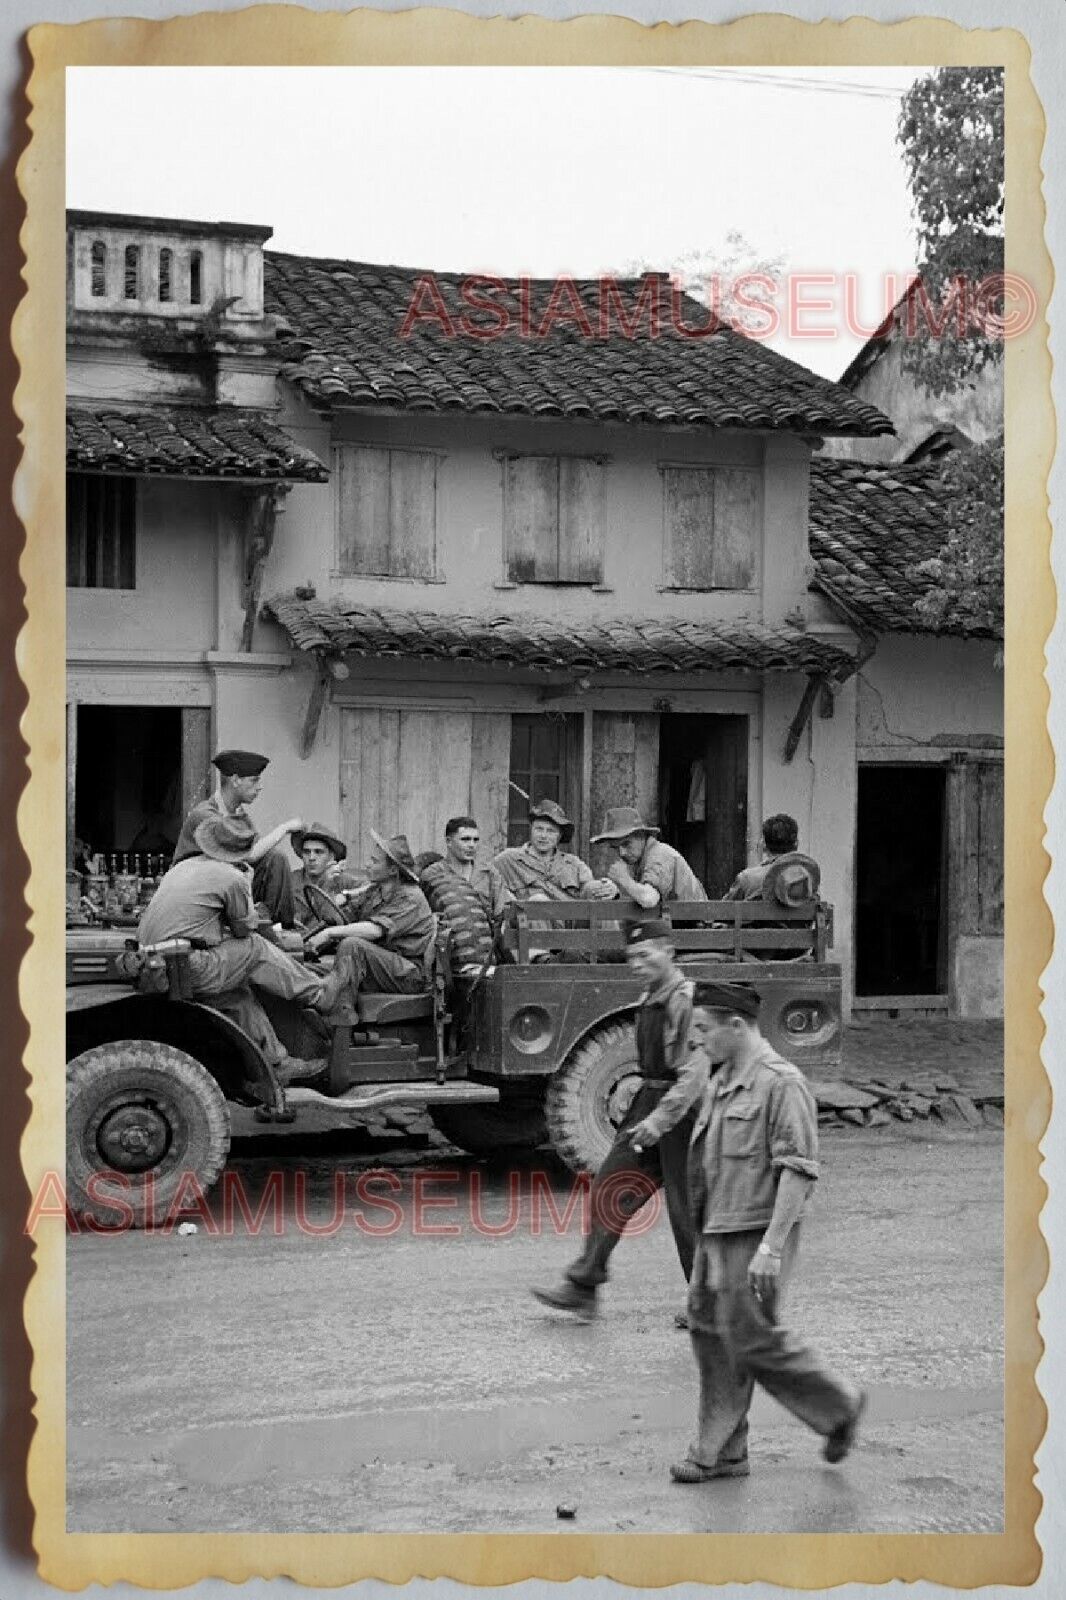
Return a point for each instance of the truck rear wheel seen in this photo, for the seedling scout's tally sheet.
(590, 1094)
(513, 1124)
(146, 1126)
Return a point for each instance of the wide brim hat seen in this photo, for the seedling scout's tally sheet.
(319, 831)
(398, 851)
(240, 763)
(620, 822)
(228, 839)
(792, 880)
(551, 811)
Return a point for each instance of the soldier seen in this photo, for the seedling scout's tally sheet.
(651, 1145)
(461, 839)
(754, 1159)
(647, 871)
(321, 853)
(240, 780)
(207, 899)
(387, 949)
(541, 868)
(797, 877)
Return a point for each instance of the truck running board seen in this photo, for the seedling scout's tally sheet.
(395, 1094)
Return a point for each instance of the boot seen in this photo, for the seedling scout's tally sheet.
(569, 1296)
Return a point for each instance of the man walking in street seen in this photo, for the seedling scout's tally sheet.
(754, 1160)
(240, 780)
(206, 898)
(387, 949)
(650, 1149)
(647, 871)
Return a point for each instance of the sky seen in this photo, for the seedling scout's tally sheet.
(526, 170)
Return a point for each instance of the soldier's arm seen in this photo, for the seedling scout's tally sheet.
(238, 913)
(269, 841)
(691, 1082)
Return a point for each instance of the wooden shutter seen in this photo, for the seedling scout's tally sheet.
(976, 845)
(363, 511)
(412, 514)
(531, 523)
(736, 523)
(712, 524)
(580, 520)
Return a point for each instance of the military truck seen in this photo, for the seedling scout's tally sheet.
(535, 1045)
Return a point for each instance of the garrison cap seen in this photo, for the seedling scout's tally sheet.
(736, 997)
(649, 928)
(240, 763)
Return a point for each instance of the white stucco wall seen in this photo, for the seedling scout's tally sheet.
(917, 691)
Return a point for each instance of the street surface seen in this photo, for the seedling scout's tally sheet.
(347, 1382)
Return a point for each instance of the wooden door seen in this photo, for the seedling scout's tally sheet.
(703, 782)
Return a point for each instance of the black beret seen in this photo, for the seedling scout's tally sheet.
(239, 763)
(650, 928)
(736, 997)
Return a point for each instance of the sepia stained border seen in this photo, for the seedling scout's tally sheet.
(279, 36)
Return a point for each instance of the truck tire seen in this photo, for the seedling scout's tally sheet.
(146, 1125)
(461, 912)
(590, 1094)
(513, 1125)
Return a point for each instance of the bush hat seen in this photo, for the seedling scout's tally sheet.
(240, 763)
(552, 811)
(399, 853)
(228, 839)
(319, 831)
(734, 997)
(620, 823)
(792, 880)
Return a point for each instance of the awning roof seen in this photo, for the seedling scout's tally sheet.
(187, 442)
(552, 644)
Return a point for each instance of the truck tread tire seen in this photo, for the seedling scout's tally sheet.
(585, 1091)
(184, 1111)
(461, 912)
(484, 1130)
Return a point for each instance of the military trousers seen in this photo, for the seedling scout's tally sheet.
(228, 974)
(365, 964)
(272, 888)
(738, 1341)
(627, 1180)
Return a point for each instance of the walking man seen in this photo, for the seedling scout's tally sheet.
(647, 871)
(754, 1160)
(240, 780)
(650, 1149)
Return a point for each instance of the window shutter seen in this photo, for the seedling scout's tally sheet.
(531, 526)
(690, 526)
(736, 518)
(363, 492)
(412, 514)
(580, 520)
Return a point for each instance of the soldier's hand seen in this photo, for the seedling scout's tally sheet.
(641, 1135)
(294, 824)
(764, 1272)
(618, 873)
(319, 940)
(602, 889)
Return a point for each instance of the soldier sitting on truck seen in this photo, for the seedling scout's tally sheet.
(469, 896)
(647, 870)
(387, 949)
(794, 878)
(321, 853)
(207, 899)
(540, 868)
(240, 779)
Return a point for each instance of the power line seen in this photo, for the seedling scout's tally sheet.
(775, 81)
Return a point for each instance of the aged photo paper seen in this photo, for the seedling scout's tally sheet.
(450, 564)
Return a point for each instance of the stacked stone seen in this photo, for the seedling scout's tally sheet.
(871, 1103)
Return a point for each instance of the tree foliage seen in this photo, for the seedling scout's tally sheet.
(733, 278)
(965, 578)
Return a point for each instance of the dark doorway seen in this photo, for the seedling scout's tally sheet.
(137, 771)
(899, 887)
(703, 794)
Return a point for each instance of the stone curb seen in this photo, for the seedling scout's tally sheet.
(938, 1097)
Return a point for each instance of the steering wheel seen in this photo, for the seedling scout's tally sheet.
(328, 913)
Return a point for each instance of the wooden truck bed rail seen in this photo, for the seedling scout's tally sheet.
(739, 930)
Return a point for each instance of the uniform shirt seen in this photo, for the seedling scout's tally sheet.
(753, 1122)
(685, 1063)
(332, 884)
(212, 807)
(562, 875)
(402, 912)
(487, 883)
(202, 900)
(664, 869)
(747, 885)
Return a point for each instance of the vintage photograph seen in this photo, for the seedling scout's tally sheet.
(535, 799)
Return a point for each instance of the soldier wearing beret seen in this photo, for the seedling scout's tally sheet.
(754, 1160)
(240, 780)
(651, 1145)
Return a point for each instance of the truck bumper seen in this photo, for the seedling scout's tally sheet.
(375, 1097)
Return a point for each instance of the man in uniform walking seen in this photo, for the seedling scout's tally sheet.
(647, 871)
(650, 1149)
(240, 780)
(754, 1160)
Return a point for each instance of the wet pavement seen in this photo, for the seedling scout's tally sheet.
(376, 1363)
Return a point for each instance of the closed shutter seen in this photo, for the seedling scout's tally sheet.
(712, 517)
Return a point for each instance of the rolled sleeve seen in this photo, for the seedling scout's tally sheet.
(794, 1128)
(238, 912)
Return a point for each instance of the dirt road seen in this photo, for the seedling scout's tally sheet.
(404, 1379)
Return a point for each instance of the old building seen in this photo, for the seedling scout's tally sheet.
(430, 545)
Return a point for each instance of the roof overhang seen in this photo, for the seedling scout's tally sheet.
(220, 442)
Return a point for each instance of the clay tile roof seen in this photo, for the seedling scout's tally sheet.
(869, 526)
(186, 442)
(591, 645)
(345, 349)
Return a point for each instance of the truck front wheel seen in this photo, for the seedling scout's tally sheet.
(590, 1094)
(147, 1127)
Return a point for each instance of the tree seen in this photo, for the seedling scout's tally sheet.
(951, 133)
(733, 278)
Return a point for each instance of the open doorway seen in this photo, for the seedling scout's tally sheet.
(703, 794)
(137, 770)
(900, 901)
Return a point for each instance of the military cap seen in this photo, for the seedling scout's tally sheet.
(649, 928)
(736, 997)
(239, 763)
